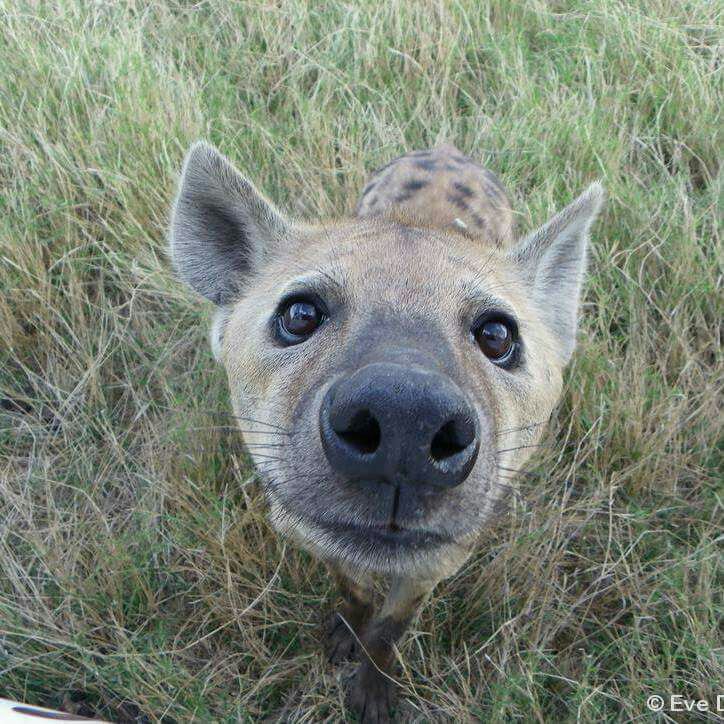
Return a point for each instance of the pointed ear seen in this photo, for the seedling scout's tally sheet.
(222, 228)
(553, 261)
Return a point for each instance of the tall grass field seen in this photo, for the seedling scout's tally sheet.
(139, 579)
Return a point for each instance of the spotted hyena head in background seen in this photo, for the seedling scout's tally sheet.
(443, 188)
(391, 371)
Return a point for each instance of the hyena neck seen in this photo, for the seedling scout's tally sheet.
(442, 188)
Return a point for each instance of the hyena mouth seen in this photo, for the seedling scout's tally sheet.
(395, 528)
(385, 536)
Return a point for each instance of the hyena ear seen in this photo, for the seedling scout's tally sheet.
(222, 228)
(553, 259)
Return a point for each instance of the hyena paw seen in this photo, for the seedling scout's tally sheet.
(370, 695)
(341, 644)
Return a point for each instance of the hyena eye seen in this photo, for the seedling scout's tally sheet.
(497, 338)
(297, 320)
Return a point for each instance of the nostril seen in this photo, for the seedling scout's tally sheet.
(448, 441)
(363, 433)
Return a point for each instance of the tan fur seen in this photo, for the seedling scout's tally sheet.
(377, 265)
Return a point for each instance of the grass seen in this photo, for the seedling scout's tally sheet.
(138, 577)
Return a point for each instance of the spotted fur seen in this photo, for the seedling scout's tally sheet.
(445, 189)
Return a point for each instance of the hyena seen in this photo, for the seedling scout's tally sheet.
(390, 369)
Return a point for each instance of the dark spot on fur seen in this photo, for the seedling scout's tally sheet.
(383, 181)
(465, 191)
(499, 198)
(478, 220)
(378, 171)
(426, 163)
(365, 205)
(415, 185)
(495, 188)
(460, 159)
(368, 188)
(493, 179)
(458, 201)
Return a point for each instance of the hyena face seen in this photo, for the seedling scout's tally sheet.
(391, 372)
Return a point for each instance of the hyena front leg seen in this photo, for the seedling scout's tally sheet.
(372, 689)
(345, 626)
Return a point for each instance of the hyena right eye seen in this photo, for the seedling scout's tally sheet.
(297, 319)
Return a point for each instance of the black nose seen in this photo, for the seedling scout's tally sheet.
(399, 424)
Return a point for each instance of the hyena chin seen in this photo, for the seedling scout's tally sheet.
(391, 371)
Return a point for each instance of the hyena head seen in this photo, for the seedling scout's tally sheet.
(391, 371)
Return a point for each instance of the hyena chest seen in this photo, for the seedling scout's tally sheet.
(442, 188)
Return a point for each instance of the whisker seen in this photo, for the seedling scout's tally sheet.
(262, 432)
(270, 459)
(511, 490)
(520, 429)
(520, 447)
(246, 418)
(237, 429)
(519, 471)
(211, 427)
(261, 472)
(267, 466)
(223, 413)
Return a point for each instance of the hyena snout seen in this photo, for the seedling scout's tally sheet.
(400, 425)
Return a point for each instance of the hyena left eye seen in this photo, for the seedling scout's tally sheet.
(298, 320)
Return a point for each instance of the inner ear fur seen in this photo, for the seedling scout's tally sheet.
(553, 261)
(222, 228)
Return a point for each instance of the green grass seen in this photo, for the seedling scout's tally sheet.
(138, 577)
